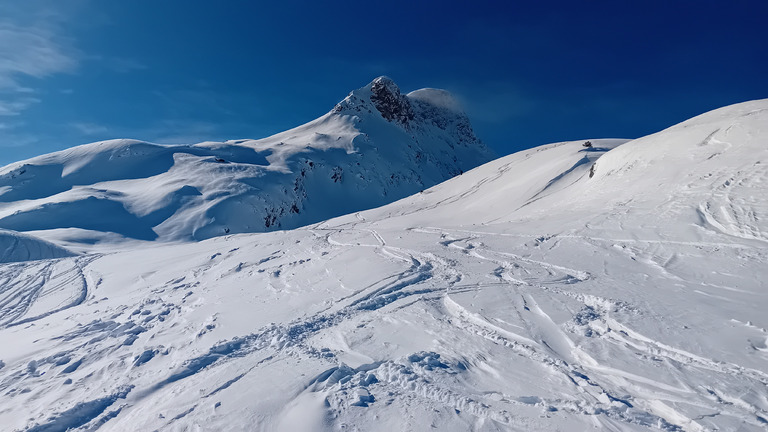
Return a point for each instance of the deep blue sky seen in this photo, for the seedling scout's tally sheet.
(528, 73)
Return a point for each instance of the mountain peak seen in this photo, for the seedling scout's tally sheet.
(383, 95)
(385, 82)
(376, 146)
(387, 99)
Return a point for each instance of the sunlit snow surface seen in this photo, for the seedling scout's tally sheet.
(521, 295)
(374, 147)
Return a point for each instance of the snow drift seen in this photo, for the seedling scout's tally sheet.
(15, 247)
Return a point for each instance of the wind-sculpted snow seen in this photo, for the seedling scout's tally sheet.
(16, 247)
(374, 147)
(80, 414)
(521, 295)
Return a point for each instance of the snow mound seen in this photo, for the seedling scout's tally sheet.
(374, 147)
(17, 247)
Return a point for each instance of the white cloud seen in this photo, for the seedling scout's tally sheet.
(31, 52)
(12, 139)
(15, 104)
(90, 129)
(33, 46)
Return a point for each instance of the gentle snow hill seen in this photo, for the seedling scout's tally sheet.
(622, 288)
(707, 173)
(374, 147)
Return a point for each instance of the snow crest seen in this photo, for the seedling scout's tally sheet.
(17, 247)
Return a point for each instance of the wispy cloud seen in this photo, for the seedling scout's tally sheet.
(125, 65)
(15, 104)
(494, 102)
(90, 129)
(168, 131)
(33, 47)
(114, 64)
(11, 137)
(179, 102)
(31, 52)
(181, 131)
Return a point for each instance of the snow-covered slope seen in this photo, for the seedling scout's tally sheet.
(15, 247)
(525, 294)
(375, 146)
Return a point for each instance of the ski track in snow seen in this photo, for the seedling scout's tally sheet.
(614, 331)
(23, 284)
(735, 208)
(428, 277)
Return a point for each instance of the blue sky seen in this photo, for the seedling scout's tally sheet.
(528, 73)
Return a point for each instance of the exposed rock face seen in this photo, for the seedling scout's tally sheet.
(393, 106)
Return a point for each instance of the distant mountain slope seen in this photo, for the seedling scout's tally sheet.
(374, 147)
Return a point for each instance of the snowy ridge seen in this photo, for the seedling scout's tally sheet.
(376, 146)
(525, 294)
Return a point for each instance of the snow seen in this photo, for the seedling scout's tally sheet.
(357, 156)
(523, 294)
(16, 247)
